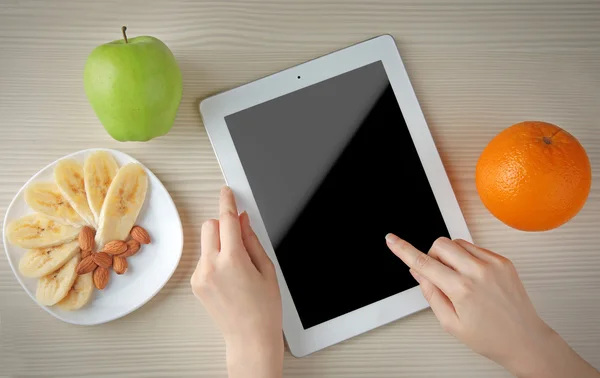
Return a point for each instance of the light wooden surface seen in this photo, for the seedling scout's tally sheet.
(476, 66)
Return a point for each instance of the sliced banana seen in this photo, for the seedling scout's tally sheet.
(68, 175)
(47, 199)
(79, 295)
(55, 286)
(122, 205)
(39, 231)
(99, 170)
(42, 261)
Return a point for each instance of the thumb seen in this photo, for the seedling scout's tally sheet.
(257, 253)
(440, 304)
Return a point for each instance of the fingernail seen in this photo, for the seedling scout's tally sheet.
(391, 238)
(225, 189)
(415, 275)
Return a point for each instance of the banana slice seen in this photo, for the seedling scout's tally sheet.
(39, 231)
(42, 261)
(122, 205)
(47, 199)
(79, 295)
(99, 170)
(55, 286)
(68, 175)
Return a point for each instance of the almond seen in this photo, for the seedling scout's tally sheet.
(86, 265)
(103, 259)
(86, 238)
(139, 234)
(120, 264)
(100, 277)
(85, 253)
(133, 246)
(115, 247)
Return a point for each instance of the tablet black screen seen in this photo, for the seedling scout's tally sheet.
(333, 169)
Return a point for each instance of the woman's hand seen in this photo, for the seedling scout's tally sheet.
(236, 282)
(478, 297)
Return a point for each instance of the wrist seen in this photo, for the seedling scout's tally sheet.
(550, 357)
(531, 360)
(255, 356)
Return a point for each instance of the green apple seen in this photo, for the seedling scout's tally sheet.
(134, 86)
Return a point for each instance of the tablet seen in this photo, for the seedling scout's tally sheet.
(328, 157)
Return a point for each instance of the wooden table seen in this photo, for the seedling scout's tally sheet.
(476, 66)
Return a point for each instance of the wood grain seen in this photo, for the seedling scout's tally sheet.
(477, 67)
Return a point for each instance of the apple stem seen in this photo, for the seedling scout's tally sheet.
(123, 29)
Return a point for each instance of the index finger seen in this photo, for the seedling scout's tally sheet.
(229, 222)
(437, 273)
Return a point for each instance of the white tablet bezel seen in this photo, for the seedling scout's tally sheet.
(214, 110)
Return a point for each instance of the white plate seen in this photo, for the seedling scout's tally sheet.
(149, 270)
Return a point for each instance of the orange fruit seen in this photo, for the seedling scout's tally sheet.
(533, 176)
